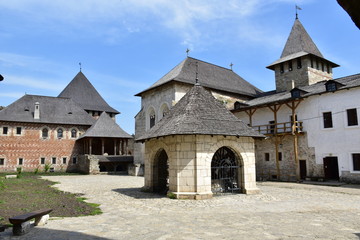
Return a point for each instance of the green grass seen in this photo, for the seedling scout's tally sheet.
(30, 193)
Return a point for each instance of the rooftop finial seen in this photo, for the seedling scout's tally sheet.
(187, 52)
(296, 11)
(231, 64)
(80, 66)
(197, 79)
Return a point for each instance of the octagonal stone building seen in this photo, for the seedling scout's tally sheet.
(199, 149)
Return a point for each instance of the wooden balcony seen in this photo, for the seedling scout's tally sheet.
(280, 128)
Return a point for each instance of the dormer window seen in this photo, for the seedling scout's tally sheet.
(332, 85)
(297, 93)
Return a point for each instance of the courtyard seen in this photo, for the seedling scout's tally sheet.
(280, 211)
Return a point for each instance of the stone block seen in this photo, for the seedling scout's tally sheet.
(41, 221)
(21, 229)
(10, 176)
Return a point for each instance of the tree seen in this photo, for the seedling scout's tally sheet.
(352, 7)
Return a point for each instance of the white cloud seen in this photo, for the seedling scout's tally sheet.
(45, 84)
(11, 94)
(190, 20)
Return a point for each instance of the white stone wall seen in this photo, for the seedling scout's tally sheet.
(340, 141)
(190, 159)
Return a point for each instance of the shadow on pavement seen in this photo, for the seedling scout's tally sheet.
(138, 194)
(43, 233)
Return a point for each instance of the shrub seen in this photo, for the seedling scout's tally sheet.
(47, 167)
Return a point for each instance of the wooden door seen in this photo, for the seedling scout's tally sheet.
(331, 168)
(302, 169)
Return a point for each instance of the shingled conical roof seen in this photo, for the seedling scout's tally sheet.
(198, 112)
(298, 44)
(105, 127)
(81, 91)
(214, 77)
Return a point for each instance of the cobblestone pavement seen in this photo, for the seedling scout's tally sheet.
(280, 211)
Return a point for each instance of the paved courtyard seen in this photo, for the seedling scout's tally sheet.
(280, 211)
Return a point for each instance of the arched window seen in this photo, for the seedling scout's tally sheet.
(152, 117)
(164, 110)
(60, 133)
(73, 133)
(45, 133)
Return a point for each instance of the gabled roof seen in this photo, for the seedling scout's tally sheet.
(53, 110)
(314, 89)
(199, 113)
(298, 44)
(213, 77)
(105, 127)
(83, 92)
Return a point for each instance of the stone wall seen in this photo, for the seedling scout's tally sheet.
(190, 159)
(267, 170)
(88, 164)
(304, 76)
(31, 147)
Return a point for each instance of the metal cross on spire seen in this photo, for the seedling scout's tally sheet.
(231, 64)
(80, 66)
(296, 11)
(187, 52)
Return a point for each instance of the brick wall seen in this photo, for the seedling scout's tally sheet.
(31, 146)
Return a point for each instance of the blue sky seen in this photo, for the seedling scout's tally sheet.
(125, 46)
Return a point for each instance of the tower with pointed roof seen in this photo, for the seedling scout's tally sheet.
(301, 62)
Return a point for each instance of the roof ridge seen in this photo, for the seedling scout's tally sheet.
(211, 64)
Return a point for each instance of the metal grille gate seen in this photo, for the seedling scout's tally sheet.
(224, 172)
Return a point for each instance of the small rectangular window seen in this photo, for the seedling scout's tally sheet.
(64, 160)
(311, 62)
(280, 156)
(2, 161)
(5, 130)
(18, 130)
(299, 64)
(331, 87)
(356, 161)
(53, 160)
(42, 161)
(281, 68)
(322, 67)
(327, 117)
(352, 117)
(272, 126)
(267, 156)
(74, 160)
(21, 161)
(290, 65)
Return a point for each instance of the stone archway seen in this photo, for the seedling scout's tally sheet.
(226, 172)
(161, 172)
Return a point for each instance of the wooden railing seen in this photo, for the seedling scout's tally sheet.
(280, 128)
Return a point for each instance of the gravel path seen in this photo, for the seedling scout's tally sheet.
(280, 211)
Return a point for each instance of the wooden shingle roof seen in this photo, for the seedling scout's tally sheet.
(199, 113)
(105, 127)
(84, 93)
(298, 44)
(53, 110)
(214, 77)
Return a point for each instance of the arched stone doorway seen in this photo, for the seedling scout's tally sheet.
(161, 172)
(226, 171)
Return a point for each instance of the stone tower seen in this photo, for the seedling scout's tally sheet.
(301, 63)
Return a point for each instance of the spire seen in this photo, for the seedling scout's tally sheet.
(300, 41)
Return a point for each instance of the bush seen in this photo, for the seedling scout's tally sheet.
(47, 167)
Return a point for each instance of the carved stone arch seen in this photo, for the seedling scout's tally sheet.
(242, 162)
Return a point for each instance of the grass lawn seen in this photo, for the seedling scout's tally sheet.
(29, 193)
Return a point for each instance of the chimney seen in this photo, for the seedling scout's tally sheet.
(37, 111)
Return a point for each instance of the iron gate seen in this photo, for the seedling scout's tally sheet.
(224, 172)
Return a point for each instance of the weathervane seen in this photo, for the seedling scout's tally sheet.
(296, 10)
(187, 52)
(231, 64)
(80, 66)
